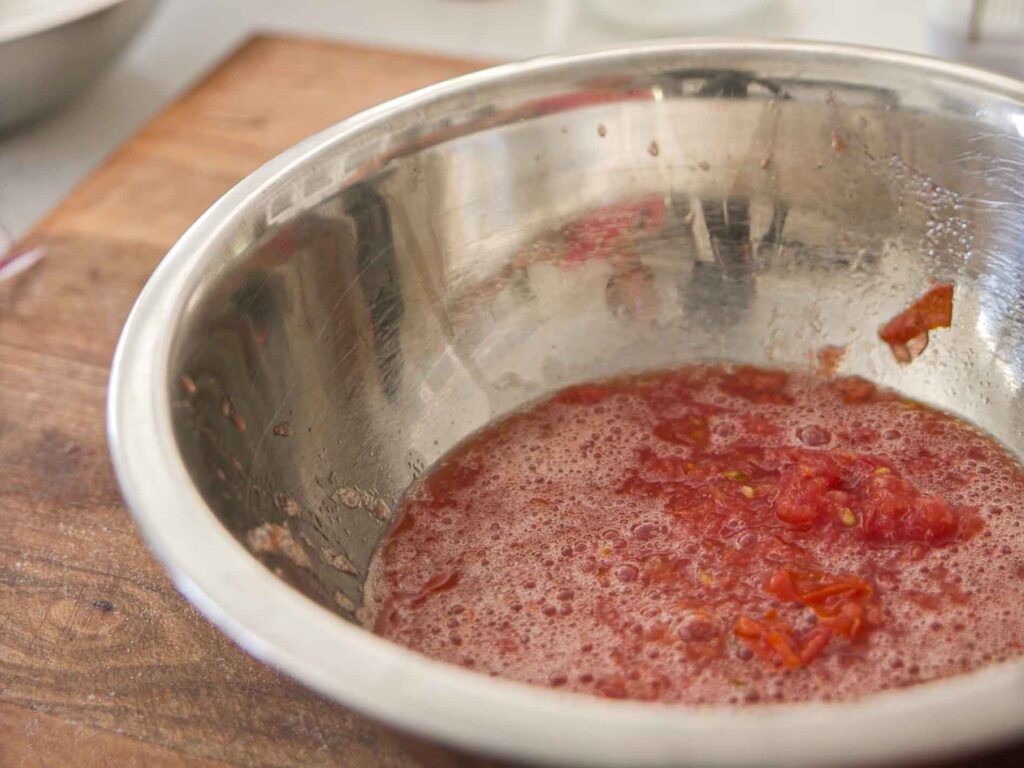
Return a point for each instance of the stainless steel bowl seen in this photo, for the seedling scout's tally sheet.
(351, 310)
(50, 49)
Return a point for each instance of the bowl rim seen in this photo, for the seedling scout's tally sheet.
(50, 16)
(280, 626)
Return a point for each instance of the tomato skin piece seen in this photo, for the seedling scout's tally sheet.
(907, 333)
(782, 644)
(816, 588)
(781, 585)
(843, 604)
(770, 640)
(933, 310)
(814, 644)
(774, 642)
(840, 602)
(849, 621)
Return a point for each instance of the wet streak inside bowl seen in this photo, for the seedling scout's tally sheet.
(713, 534)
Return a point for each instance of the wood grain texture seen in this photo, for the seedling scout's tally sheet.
(102, 663)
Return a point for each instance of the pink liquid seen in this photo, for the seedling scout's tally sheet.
(611, 539)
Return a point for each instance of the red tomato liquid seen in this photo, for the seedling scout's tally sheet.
(713, 535)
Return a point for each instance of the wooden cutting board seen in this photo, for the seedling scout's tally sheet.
(102, 663)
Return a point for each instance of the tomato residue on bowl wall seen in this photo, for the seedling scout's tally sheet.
(713, 535)
(907, 333)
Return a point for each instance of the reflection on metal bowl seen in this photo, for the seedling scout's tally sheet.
(352, 310)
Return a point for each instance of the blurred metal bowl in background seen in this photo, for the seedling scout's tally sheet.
(357, 306)
(51, 49)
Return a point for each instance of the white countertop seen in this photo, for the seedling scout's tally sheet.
(40, 163)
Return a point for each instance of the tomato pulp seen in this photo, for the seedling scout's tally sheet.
(713, 535)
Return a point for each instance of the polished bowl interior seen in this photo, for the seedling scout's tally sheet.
(358, 306)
